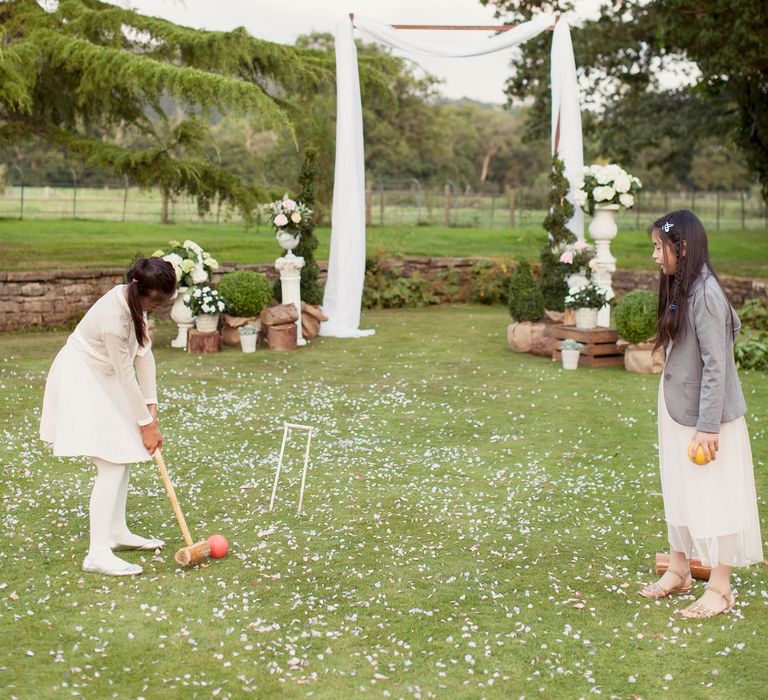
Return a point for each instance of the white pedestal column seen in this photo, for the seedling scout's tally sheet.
(289, 266)
(603, 230)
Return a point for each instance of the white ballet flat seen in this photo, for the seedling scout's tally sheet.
(147, 546)
(115, 567)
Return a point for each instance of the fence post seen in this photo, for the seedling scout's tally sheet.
(447, 204)
(717, 209)
(74, 193)
(125, 195)
(21, 211)
(369, 203)
(493, 206)
(743, 223)
(512, 193)
(381, 202)
(418, 199)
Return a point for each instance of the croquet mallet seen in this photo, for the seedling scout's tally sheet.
(194, 552)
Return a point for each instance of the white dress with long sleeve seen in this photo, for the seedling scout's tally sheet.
(99, 386)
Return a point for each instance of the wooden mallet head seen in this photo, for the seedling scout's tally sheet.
(193, 554)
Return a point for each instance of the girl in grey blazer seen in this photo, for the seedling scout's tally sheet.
(710, 506)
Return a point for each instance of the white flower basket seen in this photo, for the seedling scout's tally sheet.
(207, 323)
(570, 358)
(586, 318)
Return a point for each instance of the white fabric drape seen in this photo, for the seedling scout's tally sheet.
(565, 106)
(346, 264)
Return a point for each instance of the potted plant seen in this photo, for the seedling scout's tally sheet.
(287, 218)
(246, 293)
(526, 305)
(248, 337)
(635, 316)
(206, 304)
(570, 351)
(193, 266)
(606, 186)
(587, 300)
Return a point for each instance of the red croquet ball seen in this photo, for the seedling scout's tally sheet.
(219, 546)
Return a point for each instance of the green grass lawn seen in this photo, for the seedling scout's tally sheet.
(477, 524)
(35, 245)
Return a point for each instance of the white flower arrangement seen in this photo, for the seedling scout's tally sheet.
(599, 185)
(191, 263)
(205, 300)
(287, 215)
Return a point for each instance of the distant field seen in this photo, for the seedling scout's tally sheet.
(45, 245)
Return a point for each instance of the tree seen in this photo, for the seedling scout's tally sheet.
(78, 74)
(620, 56)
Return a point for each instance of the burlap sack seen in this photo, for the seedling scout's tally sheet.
(642, 359)
(520, 336)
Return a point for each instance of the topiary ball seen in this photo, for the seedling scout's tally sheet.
(247, 293)
(636, 315)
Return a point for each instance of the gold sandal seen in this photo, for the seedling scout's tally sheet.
(655, 591)
(699, 611)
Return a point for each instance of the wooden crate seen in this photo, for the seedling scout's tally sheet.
(600, 348)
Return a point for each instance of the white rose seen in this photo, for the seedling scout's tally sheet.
(199, 275)
(296, 217)
(627, 200)
(580, 198)
(212, 263)
(622, 183)
(602, 175)
(187, 265)
(191, 245)
(604, 194)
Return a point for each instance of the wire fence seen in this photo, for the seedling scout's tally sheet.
(387, 204)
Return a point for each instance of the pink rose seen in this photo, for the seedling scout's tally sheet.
(289, 204)
(280, 220)
(580, 245)
(567, 257)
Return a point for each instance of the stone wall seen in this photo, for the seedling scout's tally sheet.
(57, 298)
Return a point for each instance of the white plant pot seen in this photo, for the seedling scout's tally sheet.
(586, 318)
(570, 358)
(207, 323)
(248, 342)
(182, 317)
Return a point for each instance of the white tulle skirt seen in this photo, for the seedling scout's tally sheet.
(711, 510)
(86, 412)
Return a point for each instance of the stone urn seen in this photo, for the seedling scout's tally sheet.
(182, 317)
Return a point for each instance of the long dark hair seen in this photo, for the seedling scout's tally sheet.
(148, 277)
(683, 232)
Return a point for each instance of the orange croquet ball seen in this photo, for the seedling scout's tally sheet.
(219, 546)
(700, 457)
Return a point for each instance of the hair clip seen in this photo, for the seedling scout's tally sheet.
(666, 227)
(673, 307)
(134, 280)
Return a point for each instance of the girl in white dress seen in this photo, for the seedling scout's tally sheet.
(101, 402)
(711, 508)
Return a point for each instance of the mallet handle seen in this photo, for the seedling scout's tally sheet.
(172, 496)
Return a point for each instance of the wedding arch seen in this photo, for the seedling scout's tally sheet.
(346, 263)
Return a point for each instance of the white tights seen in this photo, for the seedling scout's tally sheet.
(107, 510)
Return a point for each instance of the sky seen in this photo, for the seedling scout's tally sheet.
(480, 78)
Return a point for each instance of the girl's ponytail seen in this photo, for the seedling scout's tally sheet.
(148, 277)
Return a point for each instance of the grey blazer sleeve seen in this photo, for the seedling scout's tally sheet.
(712, 321)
